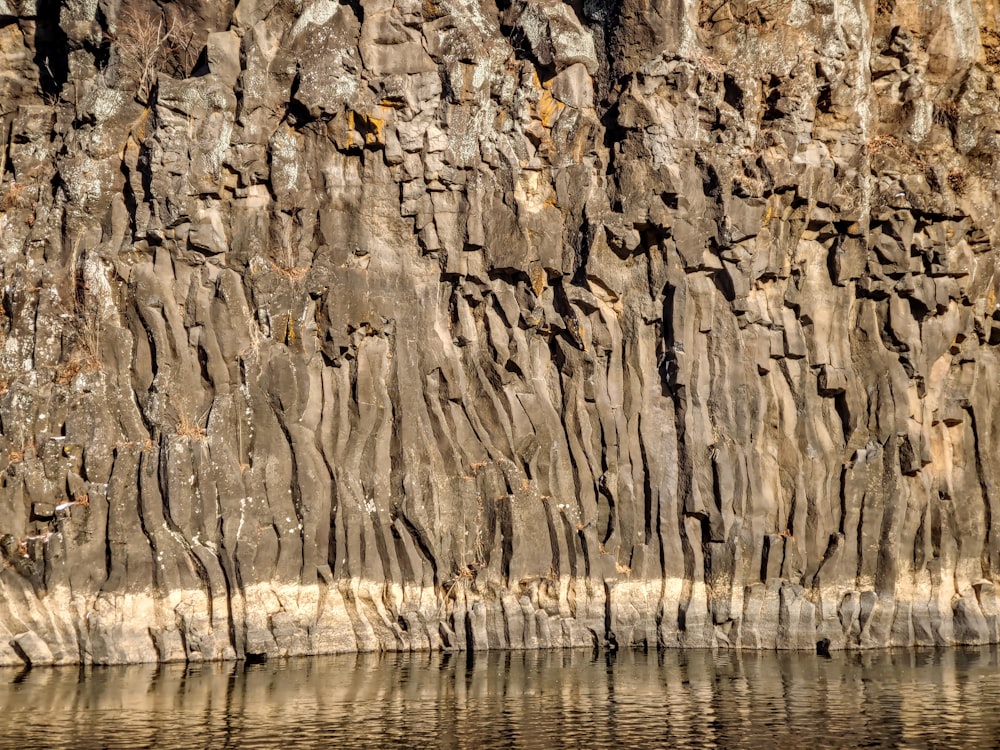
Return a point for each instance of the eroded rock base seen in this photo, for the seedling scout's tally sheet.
(296, 620)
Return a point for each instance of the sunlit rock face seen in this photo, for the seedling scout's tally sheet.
(334, 326)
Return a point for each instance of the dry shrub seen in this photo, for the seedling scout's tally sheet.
(899, 151)
(991, 45)
(17, 197)
(78, 362)
(145, 445)
(946, 114)
(747, 186)
(289, 271)
(12, 198)
(957, 181)
(188, 429)
(17, 455)
(85, 342)
(149, 41)
(464, 575)
(882, 142)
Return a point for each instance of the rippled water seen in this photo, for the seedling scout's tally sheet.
(517, 700)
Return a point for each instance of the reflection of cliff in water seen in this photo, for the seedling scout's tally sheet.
(518, 700)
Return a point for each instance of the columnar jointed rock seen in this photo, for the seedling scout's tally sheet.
(472, 324)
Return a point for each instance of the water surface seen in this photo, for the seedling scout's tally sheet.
(570, 699)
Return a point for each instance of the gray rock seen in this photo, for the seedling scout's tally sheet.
(33, 649)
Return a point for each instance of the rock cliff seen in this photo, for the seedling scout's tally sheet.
(401, 324)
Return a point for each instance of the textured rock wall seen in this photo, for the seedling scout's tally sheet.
(388, 324)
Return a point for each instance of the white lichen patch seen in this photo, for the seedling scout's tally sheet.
(317, 12)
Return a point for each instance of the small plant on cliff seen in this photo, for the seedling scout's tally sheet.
(991, 45)
(23, 194)
(17, 455)
(946, 114)
(464, 576)
(957, 181)
(147, 42)
(190, 430)
(12, 197)
(84, 350)
(82, 334)
(880, 143)
(79, 361)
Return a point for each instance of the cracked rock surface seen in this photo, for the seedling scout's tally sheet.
(473, 324)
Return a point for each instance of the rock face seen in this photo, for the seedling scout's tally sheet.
(387, 324)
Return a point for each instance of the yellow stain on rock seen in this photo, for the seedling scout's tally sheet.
(538, 280)
(548, 108)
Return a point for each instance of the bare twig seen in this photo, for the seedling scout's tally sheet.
(146, 41)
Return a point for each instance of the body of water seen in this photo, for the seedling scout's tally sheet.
(556, 699)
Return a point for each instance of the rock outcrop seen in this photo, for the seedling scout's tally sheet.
(397, 324)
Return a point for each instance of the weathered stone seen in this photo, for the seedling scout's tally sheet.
(33, 649)
(223, 56)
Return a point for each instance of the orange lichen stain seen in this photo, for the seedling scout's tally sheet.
(141, 125)
(343, 133)
(369, 127)
(538, 280)
(548, 108)
(581, 143)
(432, 9)
(375, 132)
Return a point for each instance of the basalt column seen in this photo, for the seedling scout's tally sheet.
(474, 324)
